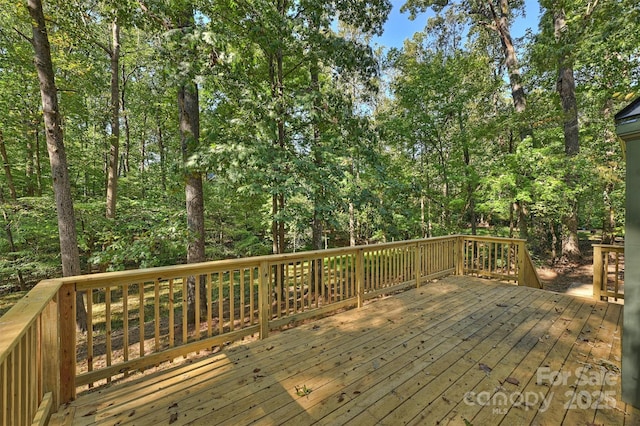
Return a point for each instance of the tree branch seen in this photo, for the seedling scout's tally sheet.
(29, 39)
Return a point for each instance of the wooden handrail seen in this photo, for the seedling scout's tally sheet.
(139, 318)
(608, 277)
(30, 366)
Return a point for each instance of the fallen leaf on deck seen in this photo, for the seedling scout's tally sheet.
(173, 418)
(90, 413)
(502, 305)
(512, 380)
(174, 405)
(256, 370)
(485, 368)
(132, 413)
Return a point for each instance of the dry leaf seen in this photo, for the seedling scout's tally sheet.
(485, 368)
(173, 418)
(512, 380)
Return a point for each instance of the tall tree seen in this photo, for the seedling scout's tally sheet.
(57, 155)
(114, 140)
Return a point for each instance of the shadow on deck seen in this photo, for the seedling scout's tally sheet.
(460, 350)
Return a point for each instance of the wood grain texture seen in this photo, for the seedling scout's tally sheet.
(418, 357)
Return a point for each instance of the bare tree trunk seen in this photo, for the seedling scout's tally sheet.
(114, 156)
(7, 168)
(29, 170)
(317, 225)
(37, 161)
(127, 128)
(502, 27)
(566, 88)
(57, 154)
(190, 137)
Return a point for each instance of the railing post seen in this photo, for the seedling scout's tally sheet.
(360, 276)
(418, 265)
(459, 257)
(597, 272)
(263, 298)
(521, 260)
(67, 330)
(50, 351)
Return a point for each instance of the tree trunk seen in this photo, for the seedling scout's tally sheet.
(114, 156)
(29, 170)
(127, 128)
(502, 27)
(7, 168)
(163, 160)
(570, 246)
(12, 246)
(190, 138)
(317, 226)
(566, 88)
(57, 155)
(37, 160)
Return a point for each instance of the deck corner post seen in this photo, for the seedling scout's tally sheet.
(522, 252)
(67, 353)
(597, 271)
(263, 299)
(360, 276)
(51, 351)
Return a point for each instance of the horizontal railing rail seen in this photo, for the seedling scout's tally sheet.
(138, 319)
(608, 271)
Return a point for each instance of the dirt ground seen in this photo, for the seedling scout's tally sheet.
(560, 276)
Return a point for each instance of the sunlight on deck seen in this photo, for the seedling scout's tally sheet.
(457, 351)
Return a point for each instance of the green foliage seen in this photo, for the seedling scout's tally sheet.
(432, 148)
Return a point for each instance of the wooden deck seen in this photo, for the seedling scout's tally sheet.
(457, 351)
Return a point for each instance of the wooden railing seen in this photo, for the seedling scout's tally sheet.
(138, 319)
(30, 351)
(608, 271)
(503, 259)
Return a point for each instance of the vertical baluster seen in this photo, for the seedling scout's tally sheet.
(209, 305)
(185, 310)
(252, 296)
(107, 308)
(125, 325)
(242, 302)
(171, 315)
(141, 321)
(606, 273)
(90, 330)
(232, 300)
(156, 313)
(220, 303)
(303, 296)
(197, 304)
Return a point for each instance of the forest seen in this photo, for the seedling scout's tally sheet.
(187, 130)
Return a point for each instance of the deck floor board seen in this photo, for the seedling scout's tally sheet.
(411, 358)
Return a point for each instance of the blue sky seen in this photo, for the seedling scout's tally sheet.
(398, 27)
